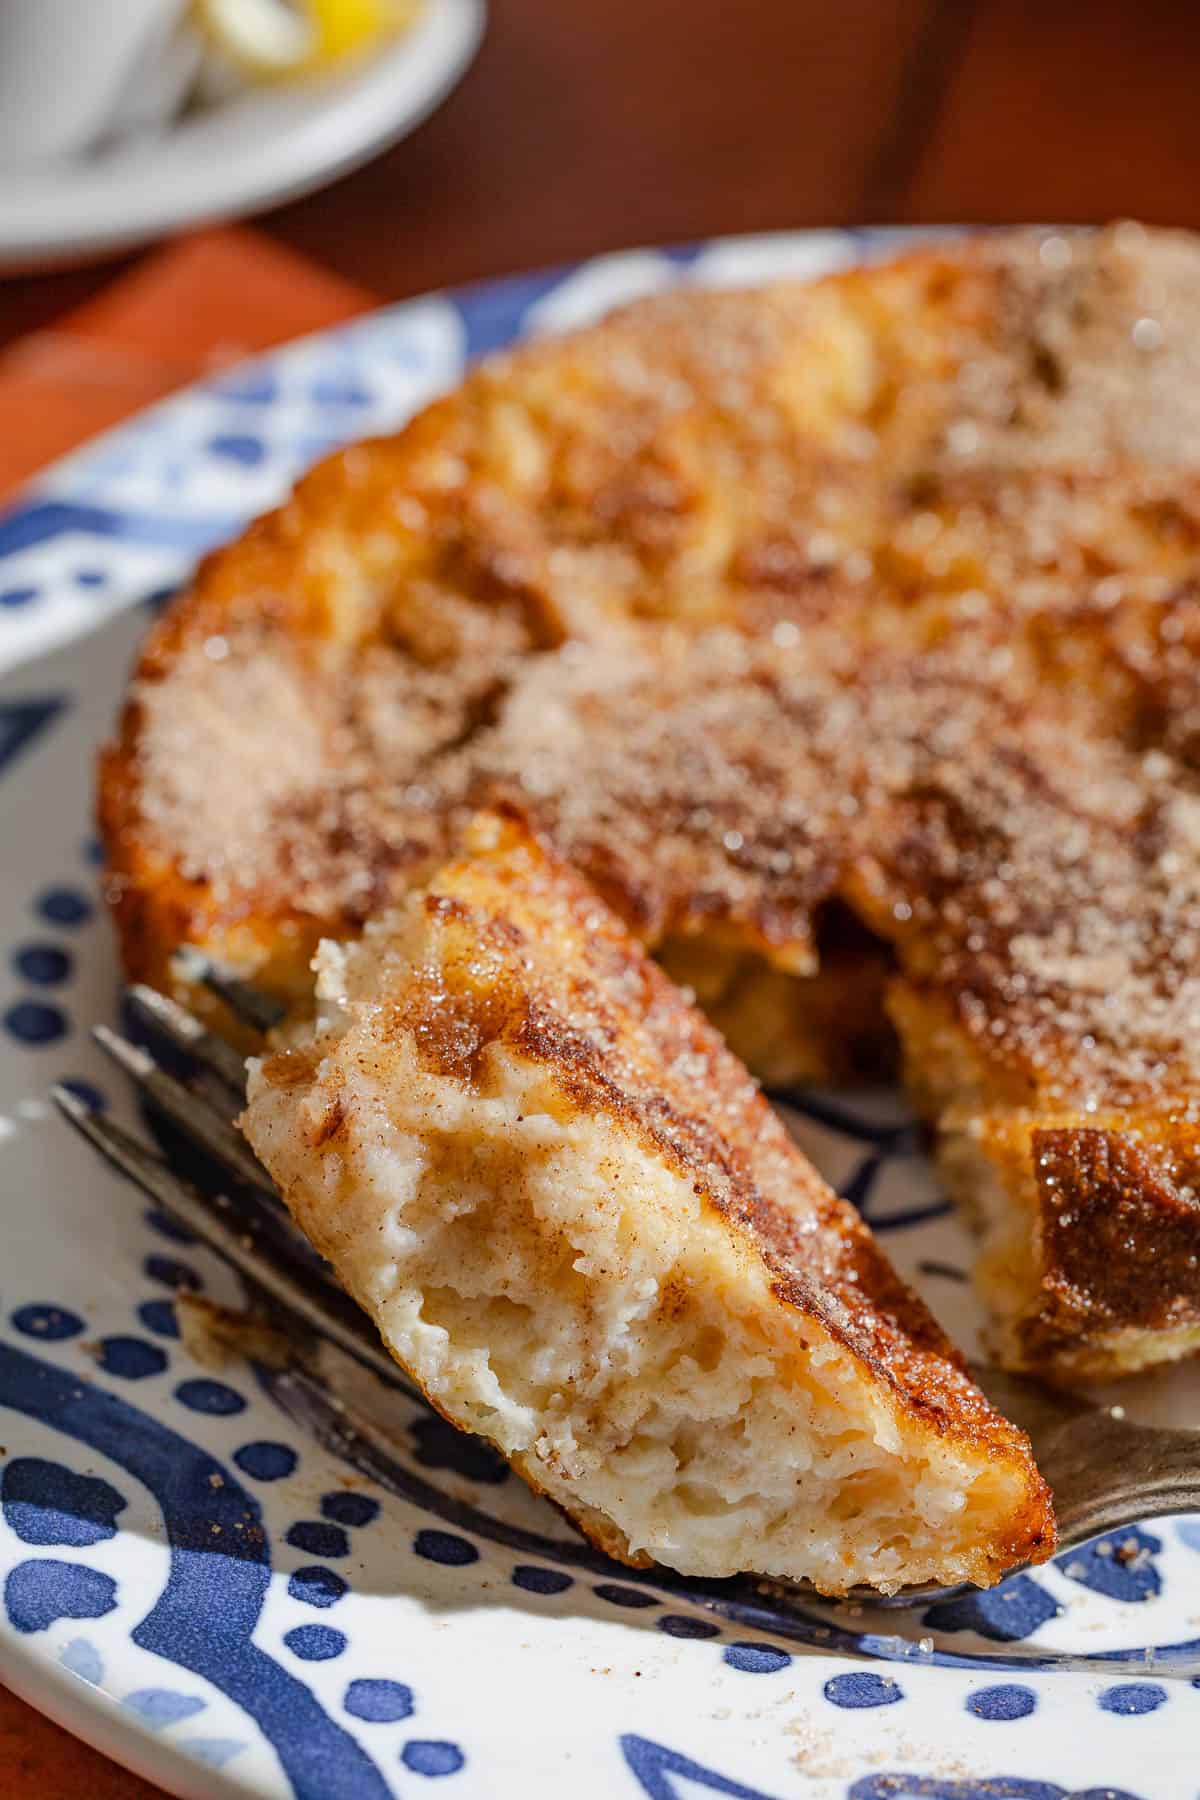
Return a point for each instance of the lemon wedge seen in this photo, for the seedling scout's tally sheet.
(267, 39)
(343, 26)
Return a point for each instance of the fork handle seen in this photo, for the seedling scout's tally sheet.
(1106, 1473)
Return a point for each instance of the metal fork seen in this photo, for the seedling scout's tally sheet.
(1106, 1471)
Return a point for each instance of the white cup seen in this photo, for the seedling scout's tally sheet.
(71, 71)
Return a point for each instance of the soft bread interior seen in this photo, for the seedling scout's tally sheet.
(560, 1289)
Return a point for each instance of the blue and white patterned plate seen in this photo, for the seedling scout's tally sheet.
(188, 1580)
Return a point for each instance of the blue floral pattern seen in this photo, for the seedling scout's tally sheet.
(172, 1537)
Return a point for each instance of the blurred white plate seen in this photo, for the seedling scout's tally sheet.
(259, 150)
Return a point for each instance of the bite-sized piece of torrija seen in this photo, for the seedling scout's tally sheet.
(842, 634)
(583, 1231)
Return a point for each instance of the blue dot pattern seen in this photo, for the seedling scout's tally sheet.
(83, 1659)
(616, 1595)
(131, 1358)
(315, 1643)
(860, 1689)
(379, 1702)
(44, 964)
(64, 906)
(216, 1752)
(756, 1659)
(317, 1586)
(172, 1274)
(1013, 1610)
(159, 1317)
(204, 1396)
(238, 447)
(424, 1756)
(38, 1593)
(1119, 1565)
(446, 1548)
(35, 1022)
(87, 1091)
(42, 1319)
(160, 1707)
(265, 1461)
(541, 1581)
(1009, 1700)
(317, 1539)
(46, 1503)
(1130, 1699)
(349, 1509)
(18, 596)
(678, 1625)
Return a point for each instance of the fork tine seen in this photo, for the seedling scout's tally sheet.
(183, 1029)
(220, 1138)
(118, 1147)
(191, 1112)
(247, 1004)
(328, 1312)
(264, 1223)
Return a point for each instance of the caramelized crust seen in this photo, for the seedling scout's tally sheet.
(881, 593)
(1121, 1236)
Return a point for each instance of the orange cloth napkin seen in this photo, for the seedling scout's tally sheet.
(194, 306)
(40, 1761)
(200, 303)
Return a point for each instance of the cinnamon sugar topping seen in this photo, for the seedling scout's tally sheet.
(883, 591)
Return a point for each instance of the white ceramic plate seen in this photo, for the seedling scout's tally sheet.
(188, 1580)
(263, 148)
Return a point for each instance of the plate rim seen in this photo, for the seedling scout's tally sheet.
(96, 1719)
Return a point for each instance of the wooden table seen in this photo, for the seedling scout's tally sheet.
(589, 124)
(585, 125)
